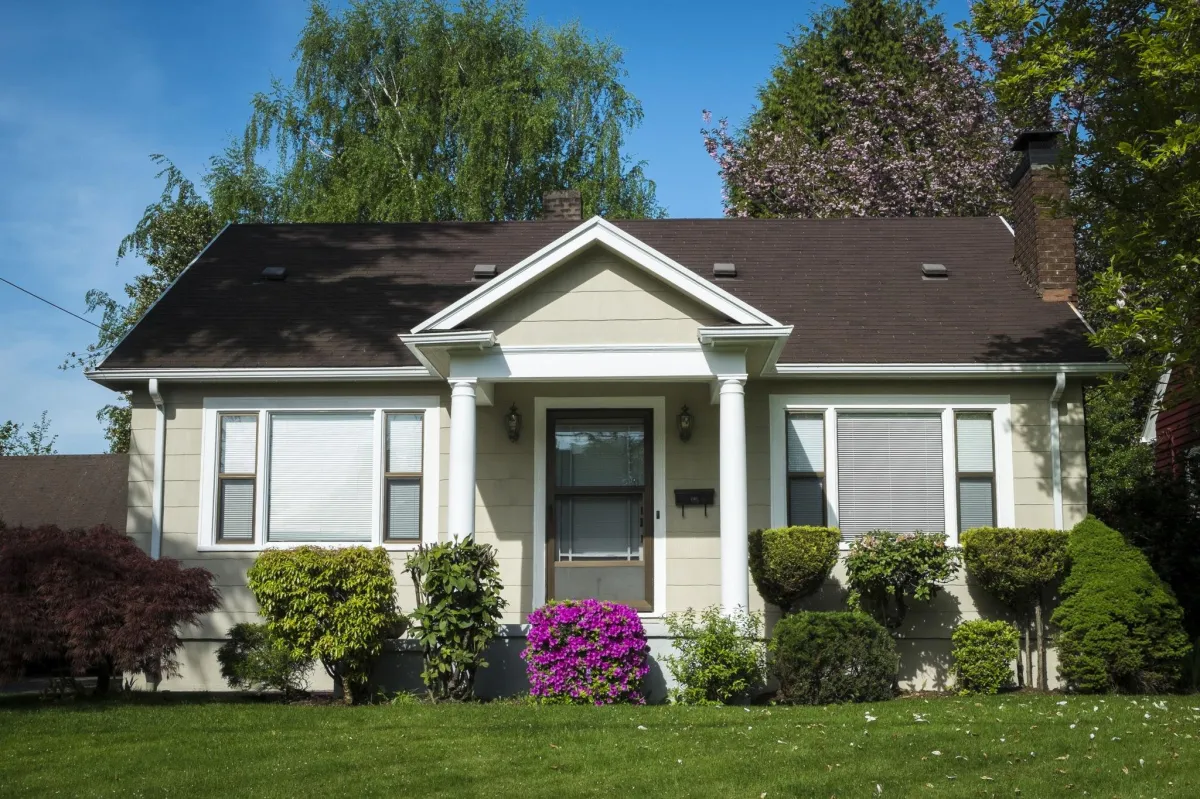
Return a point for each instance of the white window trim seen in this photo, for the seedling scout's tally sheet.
(430, 407)
(999, 406)
(658, 404)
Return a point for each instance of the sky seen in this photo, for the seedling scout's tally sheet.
(88, 91)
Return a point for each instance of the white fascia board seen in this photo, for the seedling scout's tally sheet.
(944, 369)
(743, 333)
(600, 362)
(253, 375)
(595, 231)
(1150, 429)
(453, 338)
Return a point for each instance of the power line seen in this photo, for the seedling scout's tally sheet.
(52, 305)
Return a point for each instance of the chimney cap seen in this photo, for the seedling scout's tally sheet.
(1026, 138)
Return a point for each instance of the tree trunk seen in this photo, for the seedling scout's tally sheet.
(1043, 681)
(103, 678)
(1028, 657)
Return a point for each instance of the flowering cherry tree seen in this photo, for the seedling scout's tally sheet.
(933, 147)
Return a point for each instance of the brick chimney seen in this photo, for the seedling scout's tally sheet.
(562, 204)
(1044, 249)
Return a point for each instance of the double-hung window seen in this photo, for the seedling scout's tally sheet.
(903, 464)
(342, 472)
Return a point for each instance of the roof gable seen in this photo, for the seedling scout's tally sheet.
(594, 232)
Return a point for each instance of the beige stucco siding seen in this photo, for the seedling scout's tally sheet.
(597, 298)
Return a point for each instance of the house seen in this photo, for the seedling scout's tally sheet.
(1173, 427)
(68, 491)
(611, 404)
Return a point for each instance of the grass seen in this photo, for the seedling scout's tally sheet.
(1025, 745)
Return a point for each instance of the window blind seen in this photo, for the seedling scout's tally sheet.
(974, 442)
(239, 442)
(890, 473)
(321, 476)
(404, 443)
(806, 442)
(404, 508)
(976, 470)
(975, 503)
(236, 510)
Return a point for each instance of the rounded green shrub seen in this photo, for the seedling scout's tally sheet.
(719, 658)
(254, 659)
(790, 563)
(1013, 564)
(823, 658)
(1121, 628)
(984, 652)
(336, 606)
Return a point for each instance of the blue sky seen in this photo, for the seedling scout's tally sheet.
(89, 90)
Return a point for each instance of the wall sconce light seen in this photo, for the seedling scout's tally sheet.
(685, 421)
(512, 423)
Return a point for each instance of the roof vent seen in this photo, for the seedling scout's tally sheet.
(274, 273)
(934, 272)
(724, 270)
(485, 271)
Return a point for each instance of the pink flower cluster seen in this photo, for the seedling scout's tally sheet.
(586, 652)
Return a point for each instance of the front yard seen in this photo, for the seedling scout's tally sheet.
(1000, 746)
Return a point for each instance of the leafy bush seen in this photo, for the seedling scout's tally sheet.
(586, 652)
(886, 569)
(458, 613)
(983, 655)
(1017, 566)
(789, 563)
(823, 658)
(254, 659)
(94, 600)
(1120, 627)
(719, 658)
(336, 606)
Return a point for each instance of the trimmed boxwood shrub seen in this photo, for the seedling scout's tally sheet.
(1017, 566)
(823, 658)
(984, 652)
(336, 606)
(586, 652)
(1121, 628)
(719, 658)
(254, 659)
(790, 563)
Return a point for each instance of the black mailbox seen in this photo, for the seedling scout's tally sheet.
(694, 497)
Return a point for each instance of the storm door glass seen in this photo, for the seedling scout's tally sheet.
(600, 533)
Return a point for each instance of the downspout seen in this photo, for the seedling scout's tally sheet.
(160, 457)
(1060, 384)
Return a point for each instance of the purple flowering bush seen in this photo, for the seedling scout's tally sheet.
(586, 652)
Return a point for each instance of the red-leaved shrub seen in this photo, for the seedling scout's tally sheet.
(92, 599)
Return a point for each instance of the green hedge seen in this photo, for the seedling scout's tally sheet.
(823, 658)
(984, 652)
(790, 563)
(1121, 628)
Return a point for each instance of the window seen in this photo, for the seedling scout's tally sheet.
(891, 474)
(806, 469)
(402, 495)
(599, 487)
(327, 471)
(976, 471)
(236, 477)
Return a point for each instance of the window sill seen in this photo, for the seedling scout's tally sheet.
(256, 547)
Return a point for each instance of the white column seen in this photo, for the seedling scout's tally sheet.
(461, 492)
(735, 583)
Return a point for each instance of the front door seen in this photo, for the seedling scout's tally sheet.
(599, 520)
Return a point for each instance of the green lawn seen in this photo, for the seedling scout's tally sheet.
(1002, 746)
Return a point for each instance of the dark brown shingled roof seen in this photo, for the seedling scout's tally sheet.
(852, 288)
(66, 490)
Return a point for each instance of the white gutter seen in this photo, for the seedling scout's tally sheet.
(160, 458)
(1060, 383)
(272, 375)
(945, 369)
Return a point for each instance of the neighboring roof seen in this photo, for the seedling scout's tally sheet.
(66, 490)
(851, 287)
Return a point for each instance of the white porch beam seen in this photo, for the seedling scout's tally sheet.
(735, 583)
(461, 492)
